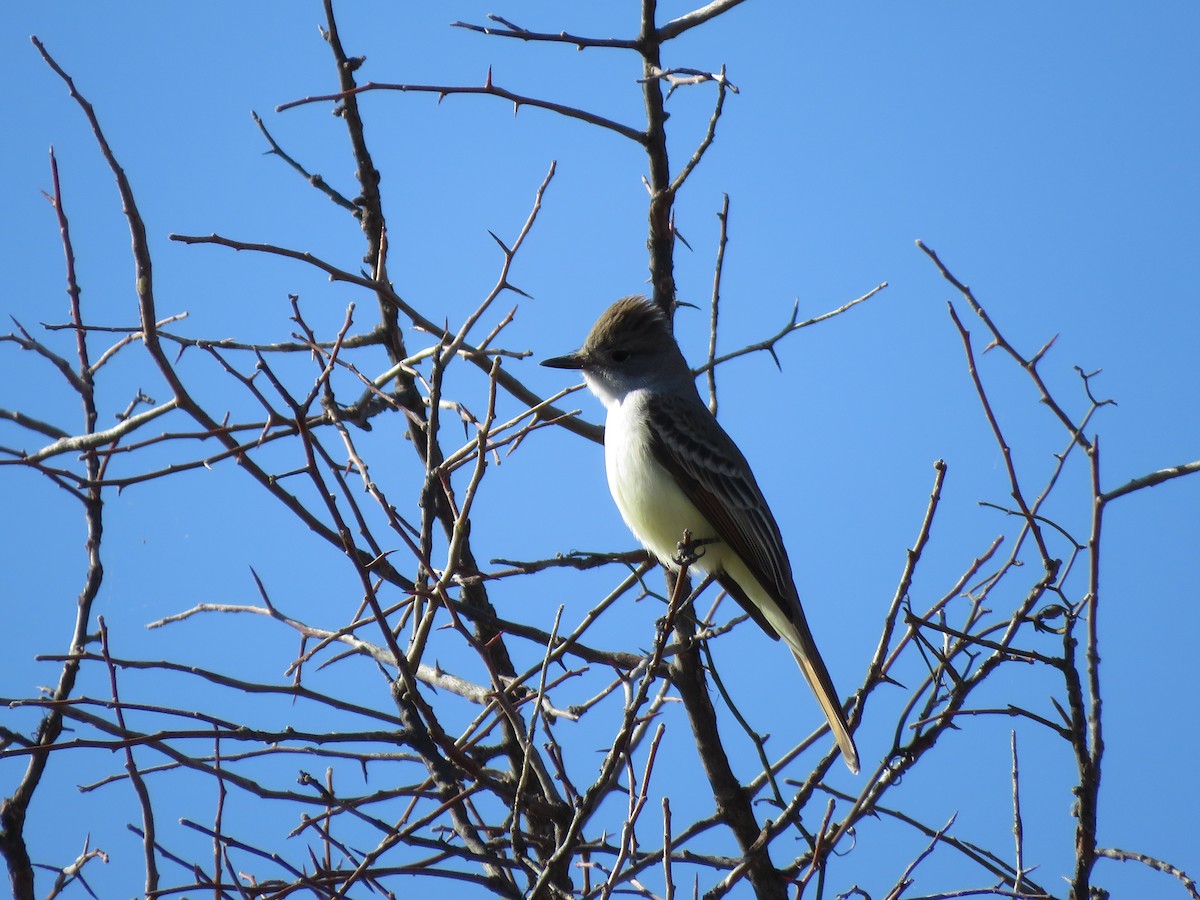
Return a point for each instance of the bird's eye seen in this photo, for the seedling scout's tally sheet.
(620, 355)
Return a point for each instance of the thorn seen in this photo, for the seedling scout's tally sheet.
(503, 247)
(1045, 347)
(675, 231)
(488, 83)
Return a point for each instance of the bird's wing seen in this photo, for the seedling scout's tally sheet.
(690, 444)
(709, 467)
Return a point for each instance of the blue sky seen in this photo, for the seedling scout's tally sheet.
(1046, 153)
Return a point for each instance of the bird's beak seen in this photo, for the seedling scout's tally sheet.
(575, 360)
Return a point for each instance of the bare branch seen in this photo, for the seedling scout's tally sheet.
(488, 88)
(1029, 365)
(97, 438)
(315, 180)
(769, 343)
(1152, 479)
(1189, 883)
(714, 304)
(510, 30)
(696, 17)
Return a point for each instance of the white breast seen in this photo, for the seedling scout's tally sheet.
(653, 506)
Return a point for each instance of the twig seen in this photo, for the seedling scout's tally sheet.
(904, 882)
(135, 777)
(1189, 883)
(793, 325)
(315, 180)
(710, 133)
(706, 13)
(998, 340)
(1018, 826)
(1152, 479)
(99, 438)
(722, 240)
(510, 30)
(487, 88)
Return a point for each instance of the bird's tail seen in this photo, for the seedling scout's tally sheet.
(818, 679)
(771, 616)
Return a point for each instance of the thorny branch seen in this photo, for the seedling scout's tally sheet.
(452, 726)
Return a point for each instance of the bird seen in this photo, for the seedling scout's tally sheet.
(672, 468)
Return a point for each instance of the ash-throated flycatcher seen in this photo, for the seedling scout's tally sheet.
(672, 468)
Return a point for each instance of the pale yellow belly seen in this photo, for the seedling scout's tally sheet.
(650, 501)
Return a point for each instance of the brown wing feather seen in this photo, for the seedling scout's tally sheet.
(710, 468)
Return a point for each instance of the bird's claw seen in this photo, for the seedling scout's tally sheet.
(691, 550)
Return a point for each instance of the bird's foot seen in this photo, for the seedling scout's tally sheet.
(690, 550)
